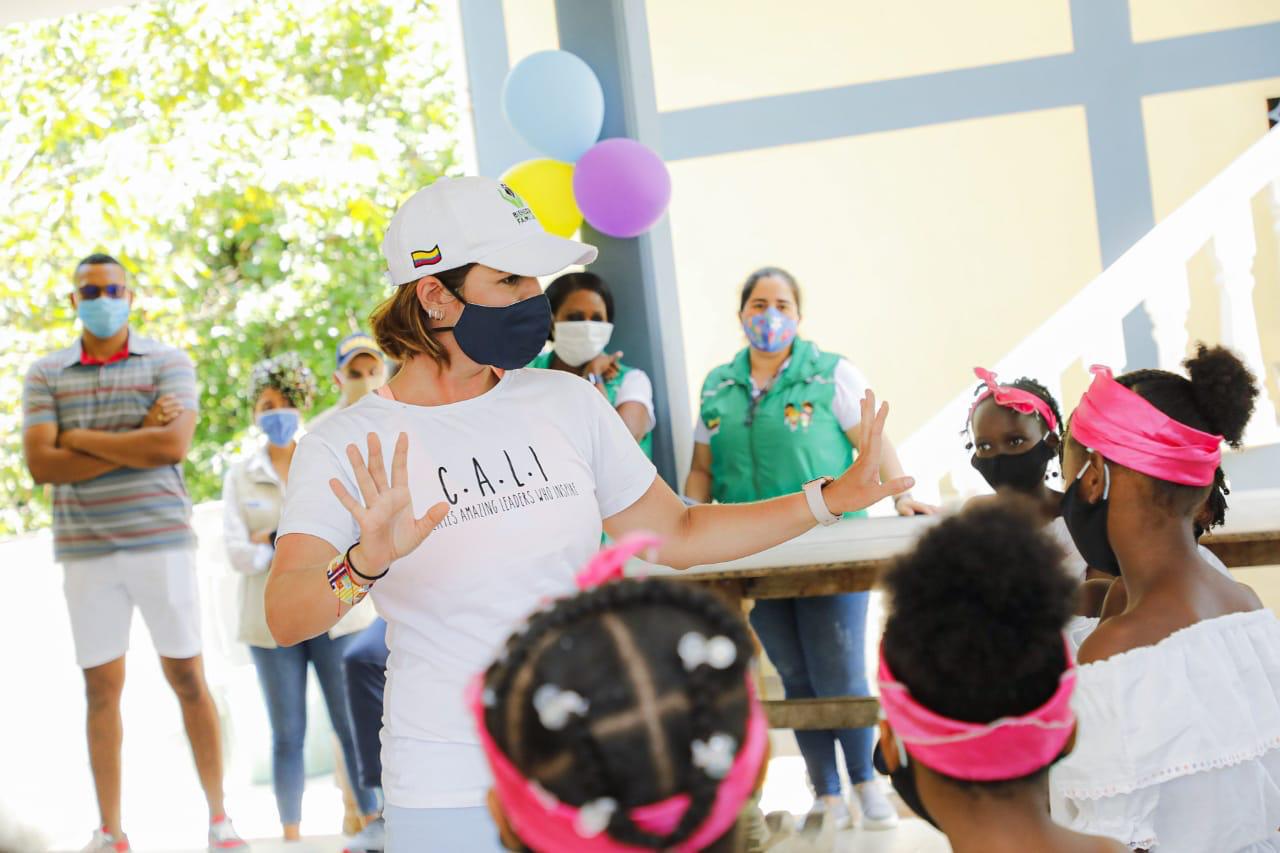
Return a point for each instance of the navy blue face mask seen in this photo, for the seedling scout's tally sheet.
(509, 337)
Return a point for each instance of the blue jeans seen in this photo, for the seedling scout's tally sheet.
(817, 645)
(441, 831)
(282, 672)
(364, 664)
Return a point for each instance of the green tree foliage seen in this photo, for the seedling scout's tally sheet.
(241, 157)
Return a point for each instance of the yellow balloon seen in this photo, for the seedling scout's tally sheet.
(547, 187)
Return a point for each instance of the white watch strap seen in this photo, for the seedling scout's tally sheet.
(817, 503)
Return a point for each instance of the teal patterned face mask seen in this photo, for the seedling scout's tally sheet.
(770, 330)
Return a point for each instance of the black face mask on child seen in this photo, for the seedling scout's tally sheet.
(1087, 524)
(904, 782)
(1022, 472)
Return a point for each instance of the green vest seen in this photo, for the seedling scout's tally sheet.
(783, 439)
(611, 387)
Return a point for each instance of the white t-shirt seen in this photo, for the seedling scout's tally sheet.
(846, 405)
(532, 467)
(637, 388)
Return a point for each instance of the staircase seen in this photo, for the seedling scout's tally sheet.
(1153, 274)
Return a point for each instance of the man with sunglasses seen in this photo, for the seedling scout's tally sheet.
(108, 422)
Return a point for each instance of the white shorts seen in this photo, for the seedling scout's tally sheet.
(102, 591)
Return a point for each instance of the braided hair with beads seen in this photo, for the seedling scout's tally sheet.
(641, 713)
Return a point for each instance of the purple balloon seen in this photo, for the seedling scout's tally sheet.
(622, 187)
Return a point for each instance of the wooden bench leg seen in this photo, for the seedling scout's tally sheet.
(837, 712)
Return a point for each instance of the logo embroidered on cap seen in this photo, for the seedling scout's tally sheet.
(510, 197)
(425, 259)
(522, 212)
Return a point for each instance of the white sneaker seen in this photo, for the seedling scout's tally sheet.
(103, 842)
(223, 837)
(830, 810)
(371, 839)
(877, 811)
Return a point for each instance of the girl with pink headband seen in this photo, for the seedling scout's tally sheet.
(1015, 431)
(973, 719)
(623, 718)
(1178, 695)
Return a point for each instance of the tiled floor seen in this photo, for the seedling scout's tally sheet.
(44, 775)
(913, 836)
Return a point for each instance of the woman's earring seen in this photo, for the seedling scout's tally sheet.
(435, 314)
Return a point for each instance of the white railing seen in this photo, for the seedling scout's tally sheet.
(1153, 273)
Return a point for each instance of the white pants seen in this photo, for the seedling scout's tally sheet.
(102, 592)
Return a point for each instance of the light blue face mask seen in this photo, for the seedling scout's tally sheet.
(280, 425)
(104, 316)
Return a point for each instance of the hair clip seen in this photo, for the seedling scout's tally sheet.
(594, 817)
(714, 756)
(718, 652)
(555, 706)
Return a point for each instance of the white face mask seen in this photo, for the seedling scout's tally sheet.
(579, 341)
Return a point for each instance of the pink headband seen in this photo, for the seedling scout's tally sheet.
(545, 824)
(1129, 431)
(608, 563)
(1009, 397)
(1008, 748)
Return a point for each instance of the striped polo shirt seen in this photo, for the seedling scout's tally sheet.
(134, 509)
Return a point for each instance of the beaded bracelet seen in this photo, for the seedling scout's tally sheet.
(343, 585)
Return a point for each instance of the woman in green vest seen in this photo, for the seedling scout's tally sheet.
(582, 307)
(781, 414)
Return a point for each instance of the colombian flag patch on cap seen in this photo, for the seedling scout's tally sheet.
(426, 259)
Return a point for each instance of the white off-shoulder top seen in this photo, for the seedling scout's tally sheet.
(1178, 747)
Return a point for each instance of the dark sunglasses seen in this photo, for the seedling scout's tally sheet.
(93, 291)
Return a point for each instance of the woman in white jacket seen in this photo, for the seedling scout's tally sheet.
(253, 494)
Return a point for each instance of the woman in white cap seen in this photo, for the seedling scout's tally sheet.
(512, 473)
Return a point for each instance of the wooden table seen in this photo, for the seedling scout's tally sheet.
(1251, 536)
(848, 557)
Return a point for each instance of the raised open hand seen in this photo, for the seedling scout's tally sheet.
(860, 486)
(388, 528)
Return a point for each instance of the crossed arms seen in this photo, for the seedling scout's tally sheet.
(76, 455)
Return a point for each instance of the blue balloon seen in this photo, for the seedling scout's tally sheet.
(553, 99)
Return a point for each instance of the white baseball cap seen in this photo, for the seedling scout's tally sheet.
(459, 221)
